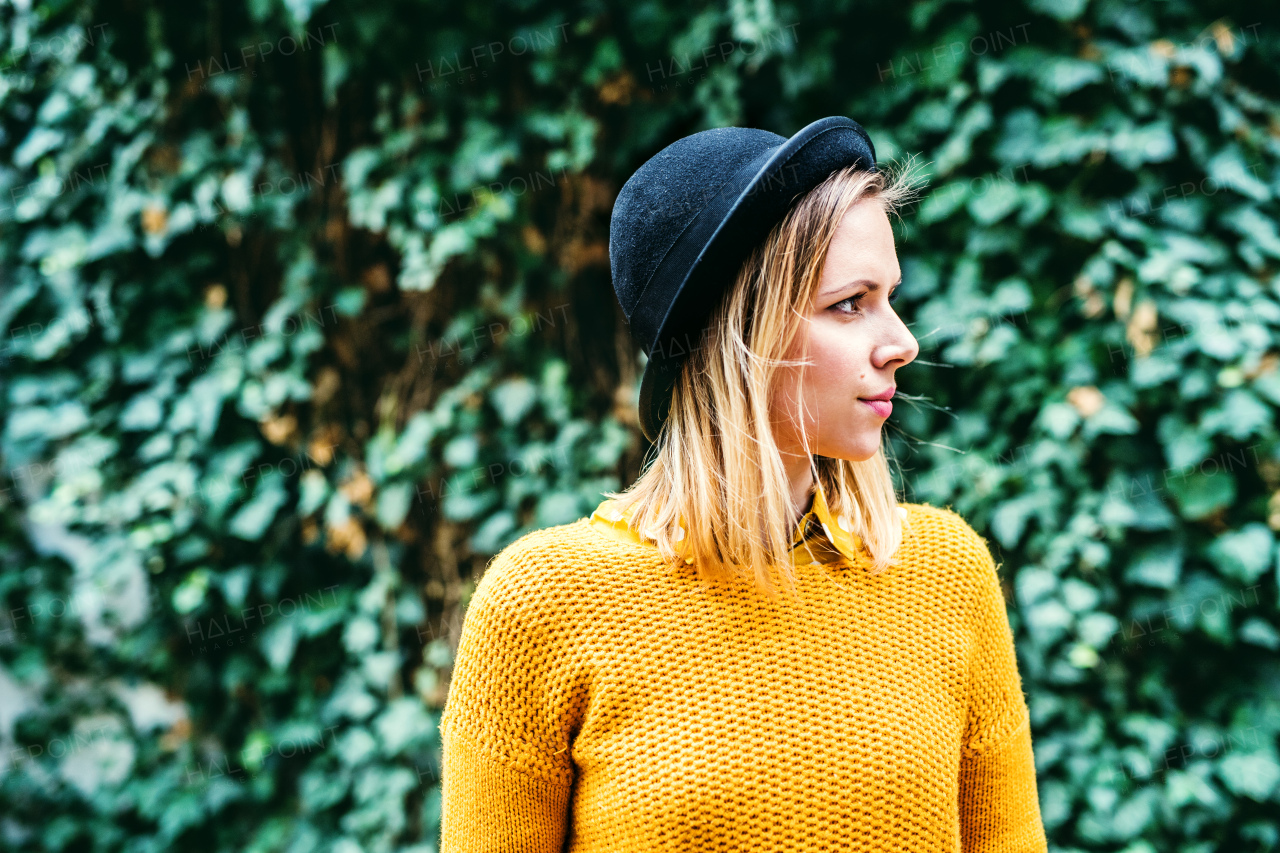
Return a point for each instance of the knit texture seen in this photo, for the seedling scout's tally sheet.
(604, 701)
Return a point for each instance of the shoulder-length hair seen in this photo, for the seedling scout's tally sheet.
(715, 465)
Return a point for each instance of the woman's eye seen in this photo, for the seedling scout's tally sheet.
(851, 304)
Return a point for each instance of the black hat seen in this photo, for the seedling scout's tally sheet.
(687, 220)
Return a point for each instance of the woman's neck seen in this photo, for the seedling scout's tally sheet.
(800, 476)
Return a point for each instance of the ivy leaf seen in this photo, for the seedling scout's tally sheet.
(1254, 775)
(1062, 10)
(278, 643)
(1199, 494)
(513, 399)
(1244, 554)
(252, 520)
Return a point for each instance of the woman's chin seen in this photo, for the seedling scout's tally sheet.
(857, 449)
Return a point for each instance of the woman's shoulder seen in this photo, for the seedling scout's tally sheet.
(943, 538)
(940, 519)
(552, 567)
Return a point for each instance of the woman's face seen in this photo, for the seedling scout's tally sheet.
(856, 343)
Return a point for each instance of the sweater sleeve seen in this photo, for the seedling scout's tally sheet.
(508, 721)
(999, 804)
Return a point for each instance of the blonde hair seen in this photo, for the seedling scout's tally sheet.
(716, 465)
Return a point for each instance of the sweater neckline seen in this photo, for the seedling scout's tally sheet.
(838, 544)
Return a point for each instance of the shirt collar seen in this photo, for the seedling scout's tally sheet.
(837, 544)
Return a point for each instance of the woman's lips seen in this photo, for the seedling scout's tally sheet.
(883, 408)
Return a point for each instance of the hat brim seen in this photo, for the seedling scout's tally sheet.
(722, 236)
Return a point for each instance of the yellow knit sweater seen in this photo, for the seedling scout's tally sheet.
(603, 702)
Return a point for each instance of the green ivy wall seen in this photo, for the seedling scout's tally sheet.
(306, 314)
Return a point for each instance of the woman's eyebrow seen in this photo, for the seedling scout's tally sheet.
(871, 286)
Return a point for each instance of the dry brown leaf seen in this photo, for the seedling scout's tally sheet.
(155, 219)
(1265, 365)
(533, 240)
(347, 537)
(1222, 35)
(1086, 399)
(278, 430)
(215, 296)
(319, 452)
(617, 90)
(177, 734)
(327, 383)
(377, 278)
(1122, 303)
(1140, 332)
(358, 489)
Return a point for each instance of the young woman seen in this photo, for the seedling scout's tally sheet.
(756, 646)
